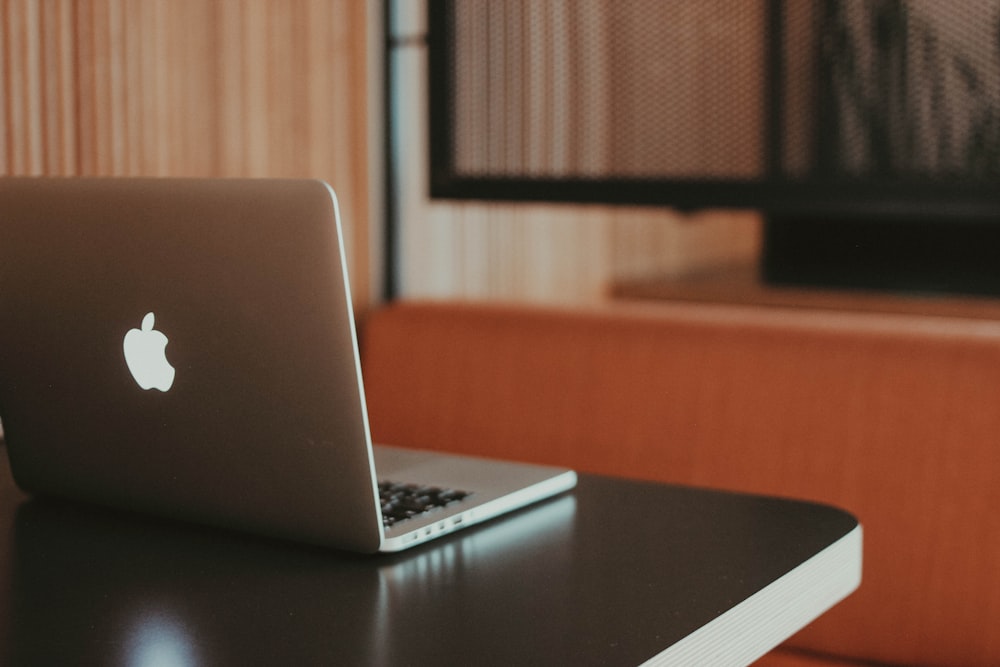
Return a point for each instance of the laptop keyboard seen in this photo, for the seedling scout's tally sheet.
(405, 501)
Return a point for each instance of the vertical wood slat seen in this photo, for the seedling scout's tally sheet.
(17, 71)
(191, 88)
(5, 86)
(58, 103)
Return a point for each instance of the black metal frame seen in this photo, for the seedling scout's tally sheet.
(917, 199)
(390, 261)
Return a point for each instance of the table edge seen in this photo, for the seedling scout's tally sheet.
(764, 620)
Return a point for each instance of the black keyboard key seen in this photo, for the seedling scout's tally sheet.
(404, 501)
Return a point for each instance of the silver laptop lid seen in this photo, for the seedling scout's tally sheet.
(259, 420)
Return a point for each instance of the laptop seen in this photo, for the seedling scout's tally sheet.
(187, 348)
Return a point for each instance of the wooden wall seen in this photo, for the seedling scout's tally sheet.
(193, 88)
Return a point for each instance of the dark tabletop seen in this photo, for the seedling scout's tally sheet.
(611, 574)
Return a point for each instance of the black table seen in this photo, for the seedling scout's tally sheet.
(614, 573)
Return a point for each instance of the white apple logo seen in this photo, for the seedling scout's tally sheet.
(145, 355)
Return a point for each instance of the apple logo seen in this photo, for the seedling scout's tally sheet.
(146, 357)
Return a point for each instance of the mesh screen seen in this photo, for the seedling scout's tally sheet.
(686, 89)
(913, 87)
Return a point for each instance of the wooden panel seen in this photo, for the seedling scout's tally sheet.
(560, 253)
(191, 88)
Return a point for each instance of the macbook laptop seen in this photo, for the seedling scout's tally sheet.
(187, 348)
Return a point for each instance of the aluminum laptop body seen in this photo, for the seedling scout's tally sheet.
(187, 348)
